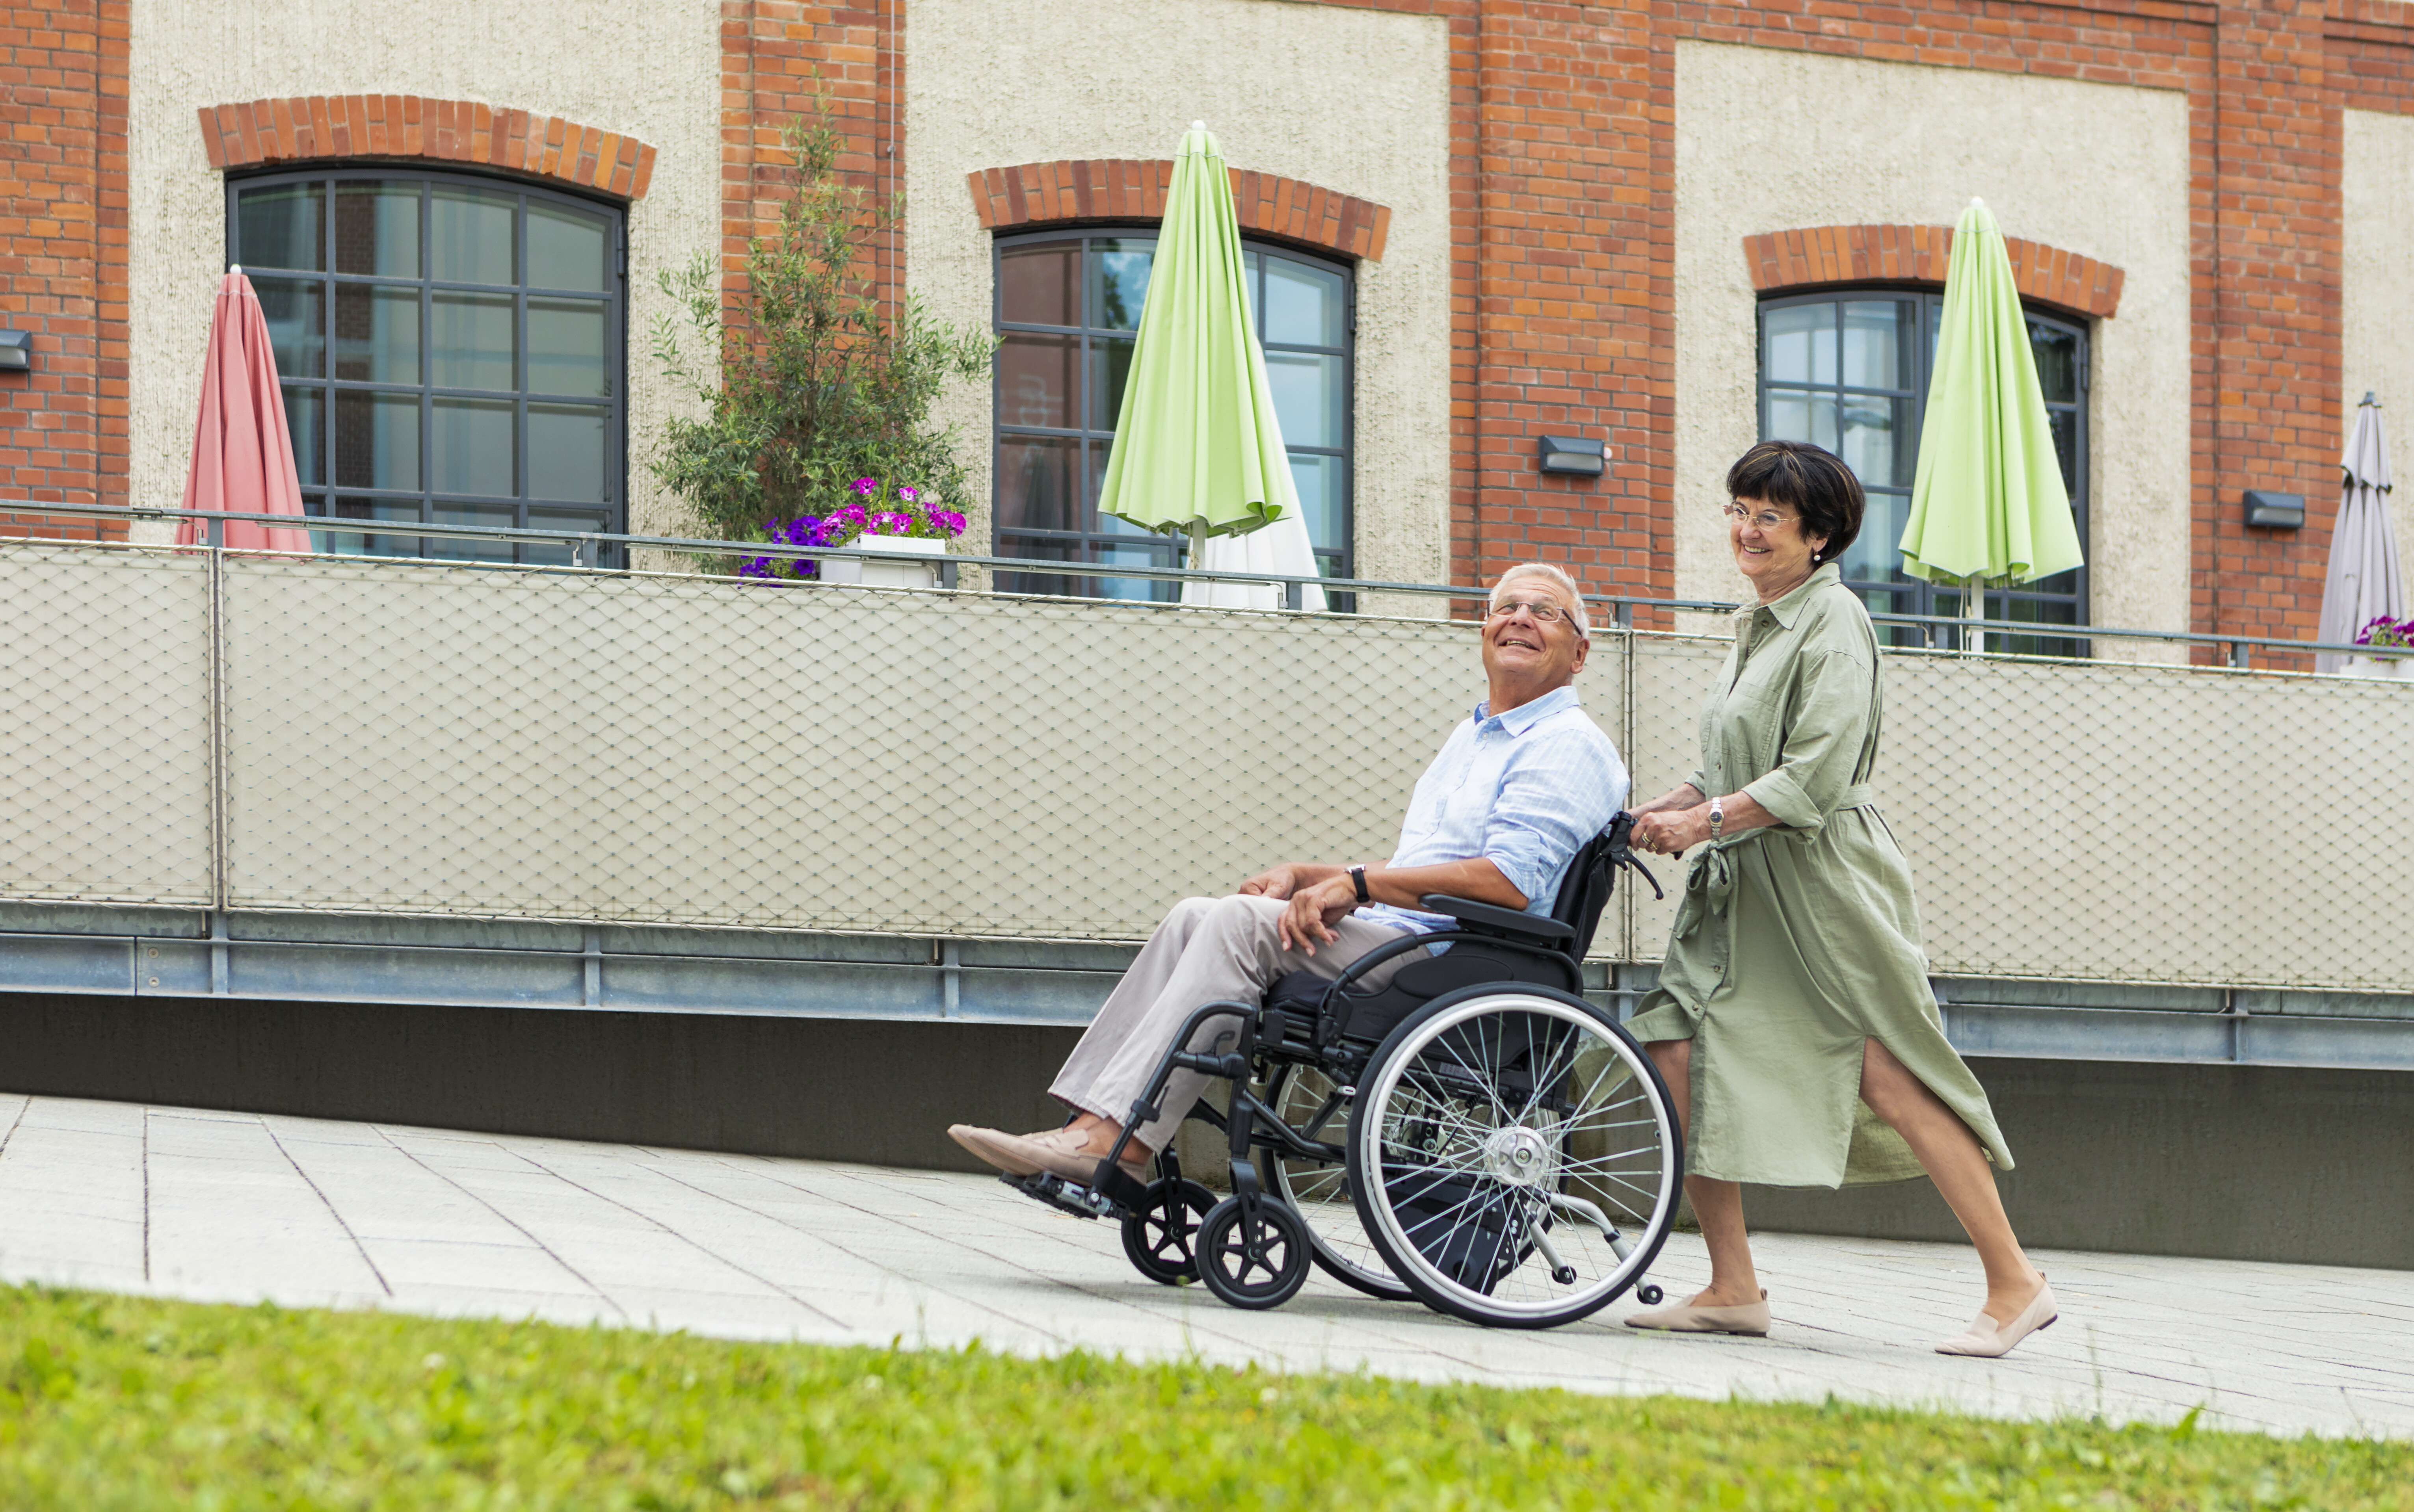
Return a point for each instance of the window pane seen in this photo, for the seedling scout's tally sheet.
(497, 515)
(1137, 553)
(281, 227)
(376, 334)
(1040, 285)
(1119, 283)
(377, 228)
(2057, 361)
(1039, 482)
(566, 347)
(2064, 425)
(469, 235)
(377, 440)
(305, 422)
(1874, 333)
(1802, 417)
(1878, 445)
(1320, 483)
(565, 452)
(1309, 399)
(296, 312)
(1876, 555)
(1036, 377)
(470, 447)
(1109, 370)
(1304, 305)
(544, 519)
(566, 248)
(1801, 342)
(472, 340)
(374, 509)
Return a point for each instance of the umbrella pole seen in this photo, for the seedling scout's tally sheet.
(1973, 610)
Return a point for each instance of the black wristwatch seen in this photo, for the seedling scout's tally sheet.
(1358, 880)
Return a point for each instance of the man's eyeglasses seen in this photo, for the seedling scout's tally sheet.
(1542, 609)
(1766, 519)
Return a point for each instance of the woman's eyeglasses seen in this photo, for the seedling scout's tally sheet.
(1766, 519)
(1542, 609)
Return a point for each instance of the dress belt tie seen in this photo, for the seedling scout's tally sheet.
(1712, 871)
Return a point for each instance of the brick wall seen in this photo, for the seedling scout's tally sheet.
(63, 259)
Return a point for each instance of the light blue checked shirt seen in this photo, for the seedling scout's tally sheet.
(1524, 791)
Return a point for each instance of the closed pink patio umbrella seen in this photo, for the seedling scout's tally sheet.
(243, 455)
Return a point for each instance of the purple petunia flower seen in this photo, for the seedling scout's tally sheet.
(909, 495)
(865, 487)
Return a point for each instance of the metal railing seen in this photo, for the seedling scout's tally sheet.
(586, 548)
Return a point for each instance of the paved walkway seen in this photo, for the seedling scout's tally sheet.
(179, 1202)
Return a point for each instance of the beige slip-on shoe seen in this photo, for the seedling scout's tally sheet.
(1988, 1339)
(1059, 1151)
(1751, 1319)
(988, 1144)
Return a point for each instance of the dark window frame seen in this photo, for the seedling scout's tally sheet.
(1914, 596)
(320, 496)
(1161, 550)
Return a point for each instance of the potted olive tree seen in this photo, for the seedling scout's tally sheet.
(815, 404)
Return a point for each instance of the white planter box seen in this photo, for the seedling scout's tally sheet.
(2398, 667)
(849, 569)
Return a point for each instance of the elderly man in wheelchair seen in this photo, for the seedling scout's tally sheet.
(1422, 1101)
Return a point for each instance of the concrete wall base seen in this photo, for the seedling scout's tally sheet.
(2232, 1163)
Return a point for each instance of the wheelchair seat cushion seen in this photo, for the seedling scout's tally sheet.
(1298, 994)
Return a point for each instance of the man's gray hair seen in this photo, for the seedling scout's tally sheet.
(1558, 579)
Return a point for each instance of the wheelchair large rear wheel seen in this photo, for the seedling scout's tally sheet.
(1514, 1157)
(1310, 1105)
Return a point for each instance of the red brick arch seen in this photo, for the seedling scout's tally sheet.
(1917, 254)
(314, 127)
(1131, 189)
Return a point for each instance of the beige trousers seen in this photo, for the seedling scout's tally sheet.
(1208, 950)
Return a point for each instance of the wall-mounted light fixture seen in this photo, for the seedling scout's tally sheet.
(1575, 455)
(16, 350)
(2275, 512)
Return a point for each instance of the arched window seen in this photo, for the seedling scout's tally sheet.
(1067, 307)
(450, 347)
(1848, 370)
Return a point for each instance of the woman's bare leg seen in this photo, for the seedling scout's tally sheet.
(1718, 1205)
(1957, 1163)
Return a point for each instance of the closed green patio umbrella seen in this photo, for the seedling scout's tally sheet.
(1196, 449)
(1987, 506)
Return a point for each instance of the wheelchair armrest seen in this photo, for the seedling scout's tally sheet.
(1508, 921)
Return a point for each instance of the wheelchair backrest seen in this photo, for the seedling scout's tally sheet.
(1593, 876)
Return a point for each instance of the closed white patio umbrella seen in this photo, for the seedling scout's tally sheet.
(2363, 582)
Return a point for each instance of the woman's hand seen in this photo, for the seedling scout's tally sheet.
(1672, 832)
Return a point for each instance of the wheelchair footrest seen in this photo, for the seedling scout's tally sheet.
(1065, 1196)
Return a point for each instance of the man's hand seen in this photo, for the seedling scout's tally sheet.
(1278, 883)
(1313, 912)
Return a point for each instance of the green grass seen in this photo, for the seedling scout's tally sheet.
(110, 1402)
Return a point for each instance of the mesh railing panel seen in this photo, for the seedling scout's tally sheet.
(104, 725)
(682, 750)
(412, 739)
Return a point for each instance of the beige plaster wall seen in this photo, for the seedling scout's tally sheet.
(652, 70)
(1768, 140)
(1354, 100)
(2376, 294)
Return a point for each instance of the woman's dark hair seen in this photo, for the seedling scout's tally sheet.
(1812, 481)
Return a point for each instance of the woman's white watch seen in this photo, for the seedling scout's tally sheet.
(1718, 816)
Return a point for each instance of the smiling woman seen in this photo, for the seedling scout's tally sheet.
(1794, 1021)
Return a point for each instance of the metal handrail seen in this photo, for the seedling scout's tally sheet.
(586, 548)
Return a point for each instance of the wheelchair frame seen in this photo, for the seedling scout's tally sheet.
(1346, 1037)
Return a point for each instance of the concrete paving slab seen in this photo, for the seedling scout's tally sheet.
(234, 1207)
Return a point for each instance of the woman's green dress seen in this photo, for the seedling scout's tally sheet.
(1796, 942)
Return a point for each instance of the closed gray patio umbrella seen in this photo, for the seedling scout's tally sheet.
(2363, 582)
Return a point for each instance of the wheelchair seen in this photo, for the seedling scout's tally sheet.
(1471, 1134)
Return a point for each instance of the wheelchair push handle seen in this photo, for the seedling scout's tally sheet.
(1621, 853)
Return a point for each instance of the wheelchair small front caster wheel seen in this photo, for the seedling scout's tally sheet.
(1648, 1295)
(1160, 1235)
(1253, 1260)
